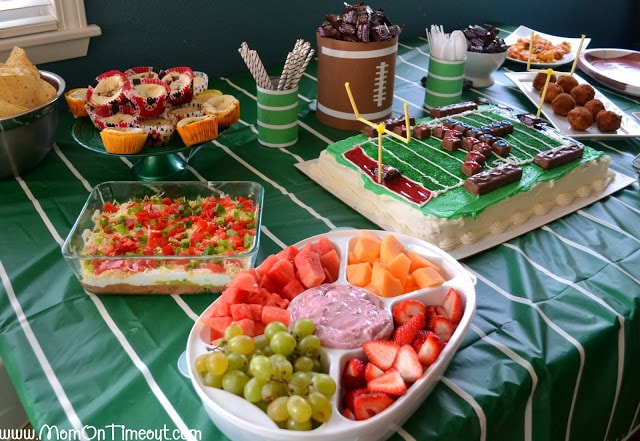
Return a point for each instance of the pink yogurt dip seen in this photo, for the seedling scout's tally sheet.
(345, 316)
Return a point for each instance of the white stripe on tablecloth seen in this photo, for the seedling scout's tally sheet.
(40, 211)
(551, 325)
(71, 167)
(48, 371)
(474, 404)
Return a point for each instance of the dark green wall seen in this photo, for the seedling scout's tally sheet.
(206, 34)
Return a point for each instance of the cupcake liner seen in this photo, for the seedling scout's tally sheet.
(115, 115)
(199, 129)
(200, 97)
(76, 100)
(159, 129)
(140, 72)
(225, 107)
(180, 81)
(123, 140)
(108, 88)
(200, 81)
(148, 106)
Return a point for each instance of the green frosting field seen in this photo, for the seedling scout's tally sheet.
(426, 162)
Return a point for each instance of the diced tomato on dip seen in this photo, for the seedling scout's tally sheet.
(161, 226)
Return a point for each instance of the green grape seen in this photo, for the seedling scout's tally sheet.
(310, 346)
(283, 343)
(272, 390)
(212, 380)
(317, 366)
(260, 367)
(277, 409)
(300, 383)
(299, 409)
(253, 390)
(232, 330)
(237, 362)
(272, 327)
(282, 367)
(303, 327)
(303, 364)
(294, 425)
(320, 407)
(242, 344)
(234, 382)
(217, 363)
(201, 363)
(324, 384)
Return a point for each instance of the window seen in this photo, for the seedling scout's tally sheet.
(49, 30)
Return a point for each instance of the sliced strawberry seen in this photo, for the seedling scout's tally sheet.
(431, 312)
(408, 364)
(390, 382)
(442, 326)
(348, 413)
(372, 371)
(439, 310)
(453, 305)
(370, 404)
(381, 352)
(428, 348)
(406, 309)
(350, 396)
(353, 374)
(405, 333)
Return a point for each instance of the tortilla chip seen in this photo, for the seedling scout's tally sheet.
(18, 58)
(19, 87)
(8, 109)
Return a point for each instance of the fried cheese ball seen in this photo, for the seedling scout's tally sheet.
(567, 82)
(608, 121)
(541, 78)
(594, 106)
(563, 104)
(583, 93)
(553, 90)
(580, 118)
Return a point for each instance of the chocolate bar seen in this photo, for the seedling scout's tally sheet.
(421, 131)
(452, 109)
(489, 180)
(558, 156)
(501, 147)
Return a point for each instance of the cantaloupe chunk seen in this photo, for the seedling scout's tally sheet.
(359, 274)
(419, 261)
(385, 283)
(399, 267)
(366, 248)
(390, 247)
(426, 277)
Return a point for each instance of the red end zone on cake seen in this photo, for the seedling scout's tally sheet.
(483, 175)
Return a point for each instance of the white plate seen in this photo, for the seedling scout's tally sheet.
(525, 32)
(629, 128)
(241, 421)
(616, 68)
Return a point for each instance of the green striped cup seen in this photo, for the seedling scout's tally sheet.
(444, 82)
(277, 117)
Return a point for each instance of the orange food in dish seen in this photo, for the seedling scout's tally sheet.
(543, 51)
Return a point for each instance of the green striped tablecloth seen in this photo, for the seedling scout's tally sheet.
(553, 352)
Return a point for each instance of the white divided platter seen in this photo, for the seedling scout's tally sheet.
(241, 421)
(629, 128)
(525, 32)
(616, 68)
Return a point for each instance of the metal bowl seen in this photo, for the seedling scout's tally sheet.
(26, 138)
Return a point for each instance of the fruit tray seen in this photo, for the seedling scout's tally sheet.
(240, 420)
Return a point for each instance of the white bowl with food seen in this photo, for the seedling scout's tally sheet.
(238, 419)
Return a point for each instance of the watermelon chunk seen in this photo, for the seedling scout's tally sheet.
(232, 295)
(292, 289)
(274, 313)
(331, 262)
(240, 311)
(248, 326)
(309, 267)
(246, 280)
(281, 272)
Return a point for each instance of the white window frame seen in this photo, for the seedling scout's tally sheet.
(69, 40)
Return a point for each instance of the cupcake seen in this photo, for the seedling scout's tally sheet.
(149, 96)
(180, 81)
(200, 82)
(186, 111)
(140, 72)
(159, 130)
(114, 115)
(225, 107)
(200, 97)
(123, 140)
(108, 88)
(76, 100)
(197, 129)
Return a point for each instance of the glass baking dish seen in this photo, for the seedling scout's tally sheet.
(199, 236)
